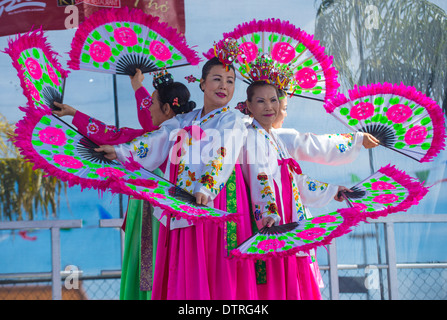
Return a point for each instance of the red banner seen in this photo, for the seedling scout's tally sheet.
(18, 16)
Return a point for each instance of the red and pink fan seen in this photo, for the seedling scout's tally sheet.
(118, 41)
(41, 76)
(400, 117)
(387, 191)
(294, 52)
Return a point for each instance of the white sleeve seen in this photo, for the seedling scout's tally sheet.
(330, 149)
(152, 148)
(315, 193)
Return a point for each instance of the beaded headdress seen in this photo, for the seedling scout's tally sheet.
(162, 78)
(226, 51)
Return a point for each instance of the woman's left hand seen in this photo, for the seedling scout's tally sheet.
(339, 197)
(137, 80)
(201, 198)
(369, 141)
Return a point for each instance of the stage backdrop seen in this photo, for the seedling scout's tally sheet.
(18, 16)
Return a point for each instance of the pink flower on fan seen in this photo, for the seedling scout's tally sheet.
(311, 234)
(67, 161)
(107, 172)
(53, 136)
(32, 90)
(155, 195)
(399, 113)
(33, 67)
(193, 211)
(324, 219)
(381, 185)
(306, 78)
(362, 110)
(360, 206)
(100, 52)
(125, 36)
(283, 52)
(386, 198)
(271, 244)
(159, 50)
(416, 135)
(249, 50)
(52, 75)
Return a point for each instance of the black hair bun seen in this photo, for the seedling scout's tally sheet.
(162, 79)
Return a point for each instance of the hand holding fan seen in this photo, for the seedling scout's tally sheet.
(401, 118)
(386, 191)
(285, 240)
(293, 52)
(41, 76)
(61, 151)
(118, 41)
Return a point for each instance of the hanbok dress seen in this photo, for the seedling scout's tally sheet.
(276, 183)
(192, 260)
(140, 226)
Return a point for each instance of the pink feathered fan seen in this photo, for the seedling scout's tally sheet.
(57, 148)
(41, 76)
(293, 52)
(400, 117)
(118, 41)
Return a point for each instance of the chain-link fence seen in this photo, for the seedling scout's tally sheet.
(426, 282)
(345, 282)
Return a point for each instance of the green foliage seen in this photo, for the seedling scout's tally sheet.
(24, 191)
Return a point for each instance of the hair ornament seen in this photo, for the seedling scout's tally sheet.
(227, 51)
(191, 79)
(162, 78)
(242, 107)
(175, 102)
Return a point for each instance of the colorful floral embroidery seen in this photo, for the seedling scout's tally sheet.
(314, 185)
(207, 180)
(142, 150)
(222, 152)
(92, 128)
(146, 103)
(258, 213)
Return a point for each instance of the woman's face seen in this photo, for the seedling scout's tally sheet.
(264, 106)
(157, 114)
(218, 87)
(282, 114)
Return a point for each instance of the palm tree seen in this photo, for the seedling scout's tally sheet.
(23, 191)
(386, 41)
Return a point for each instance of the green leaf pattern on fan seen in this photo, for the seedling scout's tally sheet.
(106, 44)
(161, 194)
(286, 52)
(409, 122)
(307, 232)
(59, 145)
(381, 191)
(39, 74)
(64, 148)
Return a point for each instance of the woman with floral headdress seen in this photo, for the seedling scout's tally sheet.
(141, 228)
(192, 259)
(279, 190)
